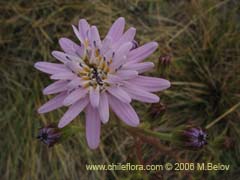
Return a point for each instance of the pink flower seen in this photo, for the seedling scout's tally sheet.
(96, 75)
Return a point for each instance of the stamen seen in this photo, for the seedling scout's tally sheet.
(82, 73)
(85, 78)
(68, 58)
(120, 66)
(86, 43)
(101, 64)
(97, 52)
(88, 53)
(95, 44)
(86, 68)
(87, 84)
(94, 67)
(106, 68)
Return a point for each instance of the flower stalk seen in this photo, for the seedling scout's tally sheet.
(160, 135)
(186, 137)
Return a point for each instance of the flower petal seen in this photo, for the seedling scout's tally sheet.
(50, 68)
(126, 74)
(128, 36)
(151, 84)
(76, 82)
(103, 108)
(93, 126)
(95, 38)
(75, 96)
(83, 28)
(117, 28)
(55, 87)
(80, 51)
(68, 46)
(112, 79)
(120, 94)
(120, 56)
(61, 56)
(124, 111)
(72, 112)
(139, 67)
(139, 54)
(74, 66)
(94, 96)
(53, 104)
(106, 45)
(76, 32)
(74, 58)
(63, 76)
(137, 93)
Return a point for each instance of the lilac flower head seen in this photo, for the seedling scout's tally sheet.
(191, 137)
(96, 75)
(49, 135)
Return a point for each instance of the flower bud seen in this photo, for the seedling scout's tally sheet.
(49, 135)
(190, 137)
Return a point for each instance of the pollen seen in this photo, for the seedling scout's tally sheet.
(95, 68)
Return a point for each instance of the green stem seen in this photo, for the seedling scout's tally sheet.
(159, 135)
(69, 131)
(223, 115)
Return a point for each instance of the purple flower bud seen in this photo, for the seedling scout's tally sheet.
(190, 137)
(49, 135)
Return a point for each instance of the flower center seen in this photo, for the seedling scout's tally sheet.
(44, 136)
(96, 76)
(201, 138)
(95, 68)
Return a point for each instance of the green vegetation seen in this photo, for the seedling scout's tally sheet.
(203, 39)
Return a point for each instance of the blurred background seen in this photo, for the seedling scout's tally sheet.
(199, 52)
